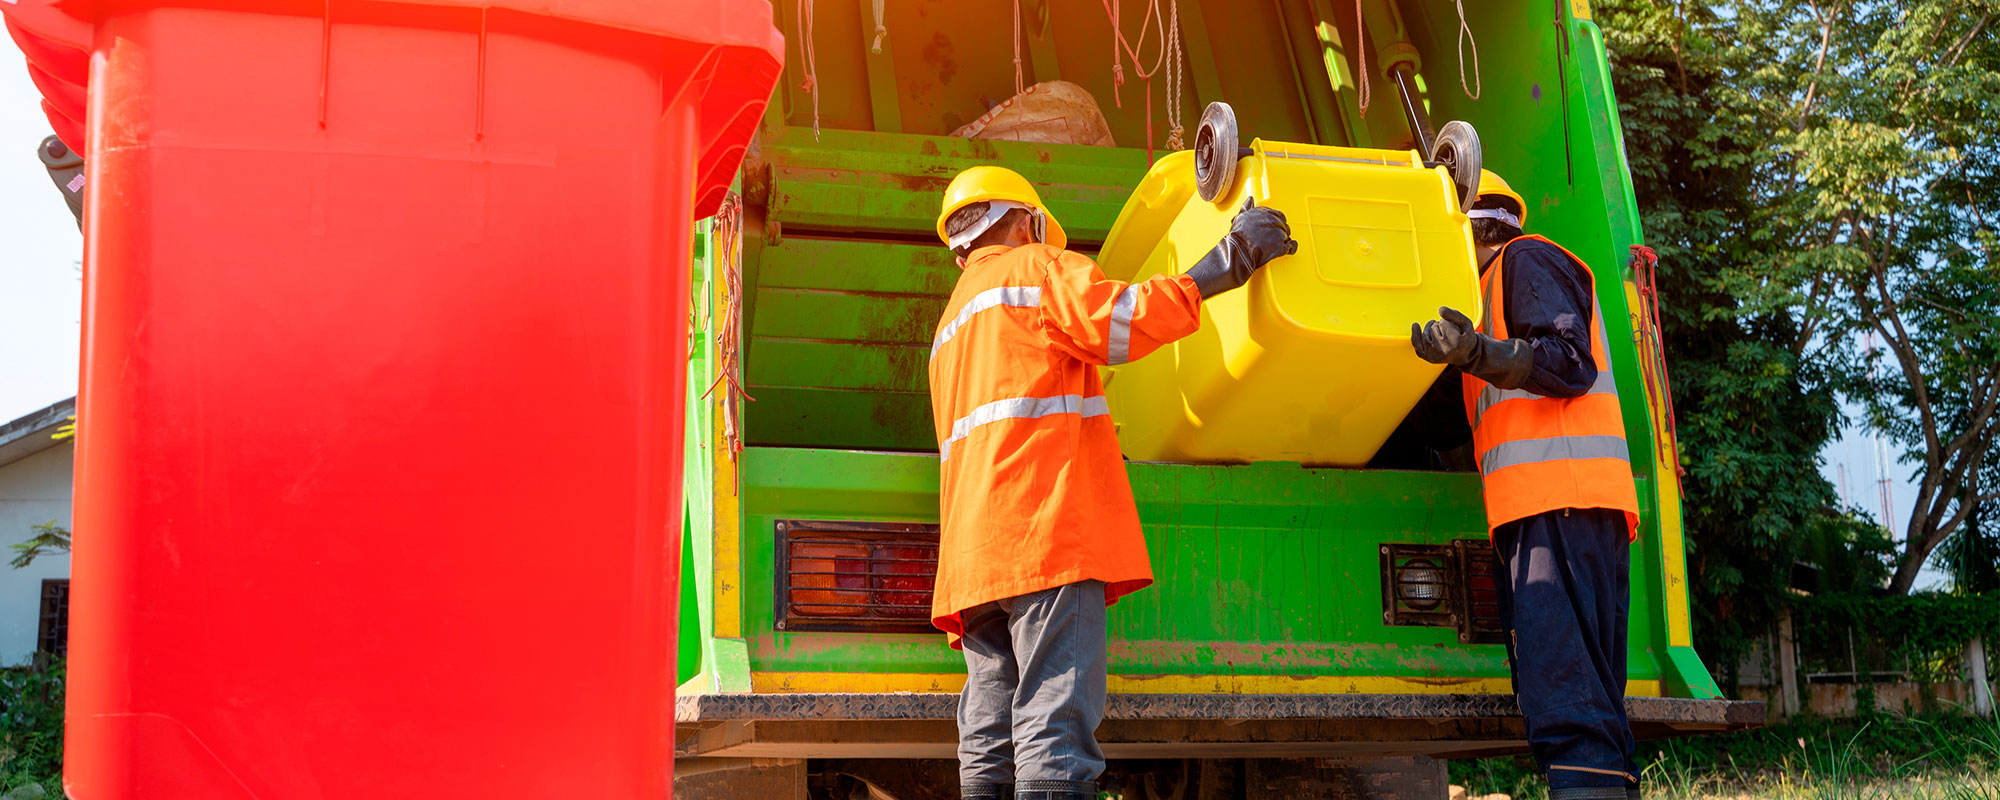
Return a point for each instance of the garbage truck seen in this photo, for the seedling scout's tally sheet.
(332, 540)
(1323, 621)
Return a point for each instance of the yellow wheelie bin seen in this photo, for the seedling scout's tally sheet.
(1311, 361)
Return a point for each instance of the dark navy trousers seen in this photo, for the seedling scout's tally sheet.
(1565, 603)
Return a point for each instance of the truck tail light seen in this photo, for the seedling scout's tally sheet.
(1420, 584)
(904, 576)
(829, 578)
(1452, 585)
(1483, 575)
(855, 576)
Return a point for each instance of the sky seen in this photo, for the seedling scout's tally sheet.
(1859, 467)
(41, 298)
(40, 295)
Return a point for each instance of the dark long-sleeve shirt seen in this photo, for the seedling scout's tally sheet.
(1547, 301)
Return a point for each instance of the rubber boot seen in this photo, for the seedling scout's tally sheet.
(1056, 790)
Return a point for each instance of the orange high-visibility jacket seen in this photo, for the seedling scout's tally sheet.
(1033, 492)
(1539, 454)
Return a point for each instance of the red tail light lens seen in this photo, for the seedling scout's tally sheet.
(829, 579)
(855, 576)
(905, 576)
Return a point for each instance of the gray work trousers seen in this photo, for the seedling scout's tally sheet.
(1034, 690)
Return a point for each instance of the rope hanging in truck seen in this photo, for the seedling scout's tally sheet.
(1465, 36)
(1644, 263)
(804, 13)
(882, 30)
(1170, 31)
(726, 243)
(1361, 53)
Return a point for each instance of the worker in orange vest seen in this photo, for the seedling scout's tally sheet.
(1040, 533)
(1549, 438)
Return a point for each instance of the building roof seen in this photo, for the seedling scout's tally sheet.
(32, 433)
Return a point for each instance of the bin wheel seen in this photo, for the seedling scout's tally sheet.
(1215, 151)
(1457, 148)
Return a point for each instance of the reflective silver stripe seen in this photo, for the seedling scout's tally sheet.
(1119, 350)
(1606, 383)
(1017, 296)
(1022, 408)
(1554, 448)
(1492, 396)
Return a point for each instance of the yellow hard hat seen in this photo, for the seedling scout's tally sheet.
(1492, 184)
(984, 184)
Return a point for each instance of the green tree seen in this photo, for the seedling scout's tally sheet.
(1884, 193)
(50, 537)
(1754, 410)
(1972, 555)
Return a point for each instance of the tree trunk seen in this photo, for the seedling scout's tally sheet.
(1909, 566)
(1975, 674)
(1788, 666)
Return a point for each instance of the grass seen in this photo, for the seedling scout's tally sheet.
(1874, 758)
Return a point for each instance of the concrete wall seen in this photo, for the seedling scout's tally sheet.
(1841, 700)
(33, 490)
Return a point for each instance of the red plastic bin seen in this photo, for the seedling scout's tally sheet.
(385, 329)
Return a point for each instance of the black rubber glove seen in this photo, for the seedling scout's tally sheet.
(1256, 236)
(1452, 340)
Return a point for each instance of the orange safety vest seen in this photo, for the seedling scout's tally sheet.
(1538, 454)
(1033, 493)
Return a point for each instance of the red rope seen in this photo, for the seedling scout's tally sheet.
(1118, 40)
(1645, 265)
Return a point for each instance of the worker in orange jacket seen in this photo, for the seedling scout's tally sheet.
(1549, 437)
(1040, 533)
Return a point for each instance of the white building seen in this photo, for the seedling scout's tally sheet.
(35, 472)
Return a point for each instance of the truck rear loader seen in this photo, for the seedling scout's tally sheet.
(1311, 625)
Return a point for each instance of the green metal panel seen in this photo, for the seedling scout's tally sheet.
(854, 183)
(876, 302)
(840, 329)
(1265, 569)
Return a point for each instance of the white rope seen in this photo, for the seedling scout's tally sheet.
(1361, 53)
(1464, 36)
(1117, 62)
(811, 84)
(881, 30)
(1019, 85)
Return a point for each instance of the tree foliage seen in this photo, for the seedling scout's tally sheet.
(1884, 194)
(1754, 412)
(1815, 176)
(50, 537)
(31, 728)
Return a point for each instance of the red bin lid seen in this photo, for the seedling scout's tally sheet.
(735, 83)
